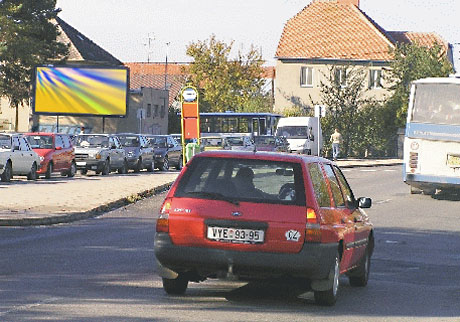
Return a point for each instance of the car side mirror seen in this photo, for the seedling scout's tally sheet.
(113, 146)
(16, 148)
(170, 145)
(364, 202)
(58, 148)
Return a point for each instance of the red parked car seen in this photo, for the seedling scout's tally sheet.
(56, 153)
(263, 215)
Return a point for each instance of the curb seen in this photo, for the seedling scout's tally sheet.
(95, 212)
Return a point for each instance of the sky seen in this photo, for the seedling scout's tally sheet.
(150, 30)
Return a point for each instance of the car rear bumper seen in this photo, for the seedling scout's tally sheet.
(97, 165)
(312, 262)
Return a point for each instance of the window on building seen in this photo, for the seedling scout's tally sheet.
(149, 110)
(162, 111)
(375, 78)
(306, 76)
(340, 76)
(156, 110)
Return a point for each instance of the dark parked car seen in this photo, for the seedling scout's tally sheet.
(271, 143)
(56, 153)
(253, 216)
(139, 153)
(168, 152)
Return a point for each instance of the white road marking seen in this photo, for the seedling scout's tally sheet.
(29, 306)
(368, 170)
(382, 201)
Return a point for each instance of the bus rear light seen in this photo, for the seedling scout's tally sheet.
(413, 160)
(163, 218)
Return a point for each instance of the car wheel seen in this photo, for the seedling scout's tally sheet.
(49, 170)
(6, 175)
(151, 166)
(124, 168)
(165, 164)
(138, 167)
(106, 168)
(175, 286)
(329, 297)
(72, 170)
(84, 171)
(179, 163)
(360, 275)
(429, 192)
(32, 175)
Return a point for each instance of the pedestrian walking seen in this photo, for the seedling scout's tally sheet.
(336, 139)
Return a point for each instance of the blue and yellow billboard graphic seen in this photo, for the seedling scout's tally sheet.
(81, 91)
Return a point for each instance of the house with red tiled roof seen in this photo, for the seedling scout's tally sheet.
(329, 33)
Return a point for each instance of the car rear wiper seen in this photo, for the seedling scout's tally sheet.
(213, 196)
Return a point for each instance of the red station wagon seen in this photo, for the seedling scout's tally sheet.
(56, 153)
(263, 215)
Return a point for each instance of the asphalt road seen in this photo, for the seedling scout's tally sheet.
(103, 269)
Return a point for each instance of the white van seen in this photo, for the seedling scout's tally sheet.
(301, 133)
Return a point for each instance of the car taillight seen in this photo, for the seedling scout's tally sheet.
(312, 228)
(163, 218)
(413, 160)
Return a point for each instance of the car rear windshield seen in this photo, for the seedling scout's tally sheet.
(40, 141)
(158, 142)
(235, 179)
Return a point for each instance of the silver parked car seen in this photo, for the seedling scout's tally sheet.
(101, 153)
(17, 157)
(139, 153)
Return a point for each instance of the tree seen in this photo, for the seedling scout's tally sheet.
(27, 39)
(343, 96)
(225, 84)
(411, 62)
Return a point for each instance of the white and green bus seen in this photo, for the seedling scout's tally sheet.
(432, 138)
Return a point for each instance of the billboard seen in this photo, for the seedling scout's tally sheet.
(80, 91)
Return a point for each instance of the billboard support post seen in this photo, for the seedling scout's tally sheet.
(57, 123)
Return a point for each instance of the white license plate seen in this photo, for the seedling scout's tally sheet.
(236, 235)
(81, 163)
(453, 161)
(94, 167)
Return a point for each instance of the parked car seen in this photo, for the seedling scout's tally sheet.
(168, 152)
(17, 157)
(252, 216)
(101, 153)
(210, 143)
(177, 137)
(56, 153)
(239, 143)
(271, 143)
(139, 152)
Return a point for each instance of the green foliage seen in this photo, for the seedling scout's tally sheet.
(224, 84)
(292, 111)
(412, 62)
(343, 96)
(27, 39)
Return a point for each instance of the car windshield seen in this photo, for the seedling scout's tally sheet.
(212, 142)
(235, 141)
(235, 179)
(264, 140)
(5, 142)
(293, 131)
(158, 141)
(129, 141)
(86, 141)
(40, 141)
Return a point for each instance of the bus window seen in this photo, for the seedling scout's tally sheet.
(243, 125)
(262, 126)
(255, 126)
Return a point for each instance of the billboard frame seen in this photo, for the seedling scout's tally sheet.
(120, 67)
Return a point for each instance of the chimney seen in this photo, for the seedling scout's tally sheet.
(354, 2)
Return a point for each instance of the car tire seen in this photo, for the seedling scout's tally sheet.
(138, 166)
(6, 175)
(151, 166)
(124, 168)
(72, 170)
(165, 165)
(179, 163)
(329, 297)
(360, 275)
(176, 286)
(49, 170)
(415, 191)
(106, 169)
(32, 175)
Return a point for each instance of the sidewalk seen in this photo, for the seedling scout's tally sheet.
(61, 200)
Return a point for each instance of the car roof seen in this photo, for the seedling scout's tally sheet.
(272, 156)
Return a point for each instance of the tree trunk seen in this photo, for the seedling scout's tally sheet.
(16, 123)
